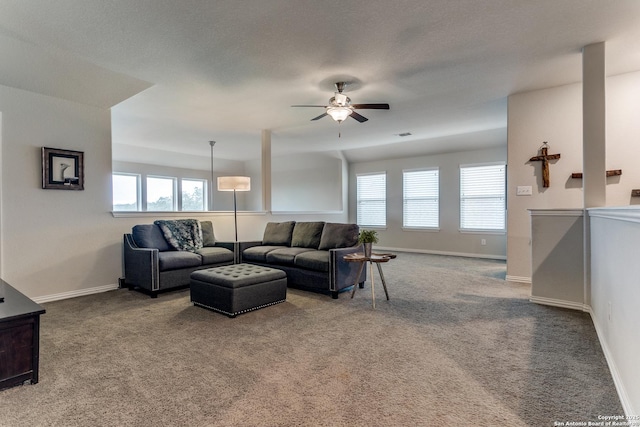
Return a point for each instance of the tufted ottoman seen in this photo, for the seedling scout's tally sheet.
(236, 289)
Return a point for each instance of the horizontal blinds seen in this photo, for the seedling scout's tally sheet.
(372, 200)
(421, 198)
(482, 197)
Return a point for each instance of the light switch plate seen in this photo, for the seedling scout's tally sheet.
(524, 190)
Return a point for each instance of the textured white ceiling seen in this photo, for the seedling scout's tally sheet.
(225, 70)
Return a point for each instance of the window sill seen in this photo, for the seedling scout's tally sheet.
(190, 214)
(422, 229)
(495, 232)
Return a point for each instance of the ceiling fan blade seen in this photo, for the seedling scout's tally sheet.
(323, 106)
(371, 106)
(359, 117)
(319, 117)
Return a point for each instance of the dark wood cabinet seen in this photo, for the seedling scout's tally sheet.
(19, 338)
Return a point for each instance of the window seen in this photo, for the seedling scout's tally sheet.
(420, 198)
(126, 192)
(482, 197)
(193, 195)
(372, 200)
(161, 193)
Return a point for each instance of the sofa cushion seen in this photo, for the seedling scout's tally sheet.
(336, 235)
(285, 255)
(208, 238)
(307, 234)
(173, 260)
(150, 236)
(313, 260)
(215, 255)
(258, 253)
(278, 233)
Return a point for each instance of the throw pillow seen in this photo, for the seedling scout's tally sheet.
(307, 234)
(336, 235)
(182, 234)
(150, 236)
(278, 233)
(208, 237)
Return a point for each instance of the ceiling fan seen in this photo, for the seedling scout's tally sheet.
(340, 106)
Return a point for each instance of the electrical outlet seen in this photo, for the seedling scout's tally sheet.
(483, 242)
(524, 190)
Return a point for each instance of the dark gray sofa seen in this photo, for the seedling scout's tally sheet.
(152, 265)
(311, 253)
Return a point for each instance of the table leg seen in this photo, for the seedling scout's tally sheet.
(373, 288)
(384, 283)
(355, 284)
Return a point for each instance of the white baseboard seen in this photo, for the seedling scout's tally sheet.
(518, 279)
(426, 251)
(617, 379)
(73, 294)
(560, 303)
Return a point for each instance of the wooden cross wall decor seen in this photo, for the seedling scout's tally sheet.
(544, 157)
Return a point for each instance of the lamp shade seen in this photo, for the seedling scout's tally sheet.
(231, 183)
(339, 113)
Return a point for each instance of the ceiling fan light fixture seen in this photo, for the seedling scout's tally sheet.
(339, 113)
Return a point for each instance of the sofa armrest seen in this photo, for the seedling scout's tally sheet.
(342, 273)
(141, 266)
(246, 245)
(233, 247)
(250, 244)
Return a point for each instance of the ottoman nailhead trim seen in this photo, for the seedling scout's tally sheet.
(238, 312)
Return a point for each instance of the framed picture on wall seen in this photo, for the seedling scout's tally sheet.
(62, 169)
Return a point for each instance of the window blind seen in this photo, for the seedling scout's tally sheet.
(421, 202)
(482, 197)
(372, 200)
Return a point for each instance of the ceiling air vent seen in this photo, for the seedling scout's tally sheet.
(403, 134)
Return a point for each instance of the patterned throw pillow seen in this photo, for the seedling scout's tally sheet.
(182, 234)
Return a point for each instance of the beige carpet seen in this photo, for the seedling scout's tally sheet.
(455, 346)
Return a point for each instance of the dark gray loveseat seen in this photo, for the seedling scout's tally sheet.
(153, 265)
(311, 253)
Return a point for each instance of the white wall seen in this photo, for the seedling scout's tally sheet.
(615, 233)
(448, 240)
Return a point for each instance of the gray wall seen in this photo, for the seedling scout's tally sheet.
(307, 182)
(555, 115)
(223, 200)
(55, 241)
(448, 240)
(58, 244)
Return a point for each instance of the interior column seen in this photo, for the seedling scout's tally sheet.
(266, 170)
(594, 180)
(594, 144)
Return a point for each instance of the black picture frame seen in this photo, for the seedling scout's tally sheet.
(62, 169)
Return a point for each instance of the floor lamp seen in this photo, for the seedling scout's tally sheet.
(211, 143)
(234, 183)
